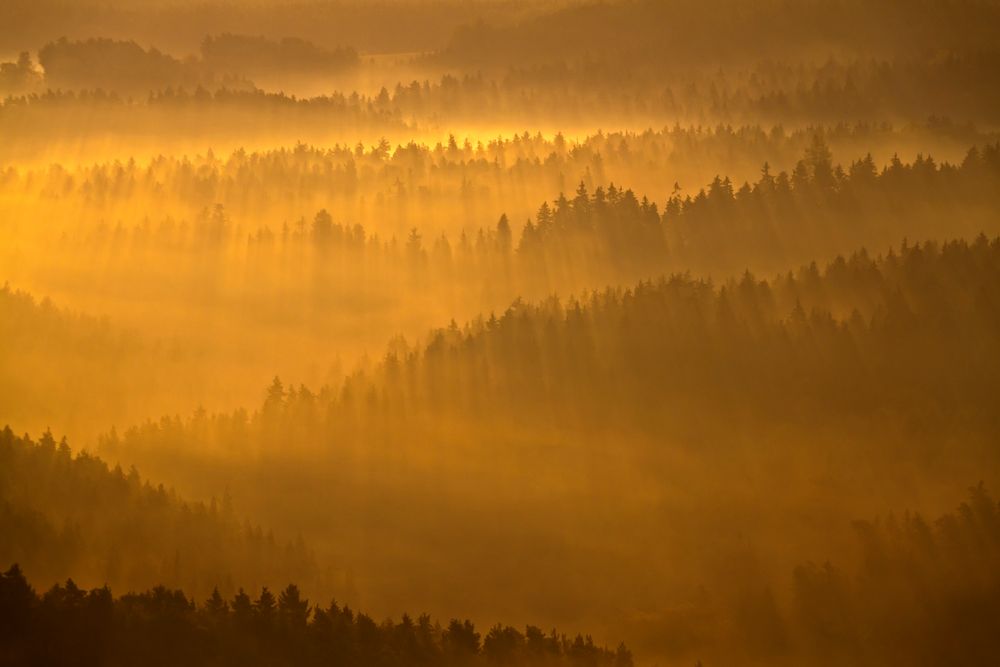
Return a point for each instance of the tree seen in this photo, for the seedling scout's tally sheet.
(504, 237)
(819, 161)
(275, 396)
(243, 610)
(216, 607)
(322, 228)
(265, 609)
(503, 645)
(461, 641)
(293, 611)
(16, 601)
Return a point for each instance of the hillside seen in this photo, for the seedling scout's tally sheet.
(71, 515)
(654, 400)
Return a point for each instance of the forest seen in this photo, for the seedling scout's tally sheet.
(68, 625)
(402, 332)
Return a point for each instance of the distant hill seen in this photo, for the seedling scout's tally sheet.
(657, 34)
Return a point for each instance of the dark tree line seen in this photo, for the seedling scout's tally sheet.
(228, 110)
(66, 513)
(372, 28)
(523, 165)
(251, 56)
(782, 218)
(69, 625)
(127, 67)
(925, 592)
(587, 239)
(111, 64)
(829, 345)
(19, 76)
(113, 77)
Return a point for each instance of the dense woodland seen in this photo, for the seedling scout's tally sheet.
(830, 341)
(629, 386)
(398, 187)
(73, 516)
(120, 367)
(68, 625)
(868, 618)
(612, 316)
(307, 272)
(228, 106)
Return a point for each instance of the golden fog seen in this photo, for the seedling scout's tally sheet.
(661, 323)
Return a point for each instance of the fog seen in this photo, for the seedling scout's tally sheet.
(672, 328)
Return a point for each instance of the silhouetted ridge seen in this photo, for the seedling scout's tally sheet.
(805, 345)
(69, 625)
(67, 514)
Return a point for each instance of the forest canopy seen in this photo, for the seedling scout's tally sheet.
(623, 317)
